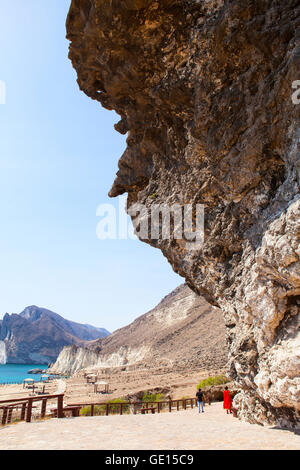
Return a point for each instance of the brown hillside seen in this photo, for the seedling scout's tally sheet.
(182, 330)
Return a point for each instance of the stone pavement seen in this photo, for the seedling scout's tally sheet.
(185, 430)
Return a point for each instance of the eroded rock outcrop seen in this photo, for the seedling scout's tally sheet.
(203, 88)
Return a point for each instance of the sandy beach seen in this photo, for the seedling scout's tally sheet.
(14, 391)
(185, 430)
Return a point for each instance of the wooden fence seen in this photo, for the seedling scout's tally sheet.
(23, 407)
(139, 406)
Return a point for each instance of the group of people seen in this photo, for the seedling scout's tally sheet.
(227, 400)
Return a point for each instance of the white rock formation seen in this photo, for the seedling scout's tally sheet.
(2, 353)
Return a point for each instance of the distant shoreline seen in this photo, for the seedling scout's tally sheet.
(11, 373)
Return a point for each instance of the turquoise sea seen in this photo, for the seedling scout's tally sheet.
(16, 373)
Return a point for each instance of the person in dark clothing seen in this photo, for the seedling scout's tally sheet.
(200, 399)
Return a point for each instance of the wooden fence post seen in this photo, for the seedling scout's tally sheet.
(4, 416)
(60, 401)
(23, 411)
(170, 406)
(9, 415)
(107, 409)
(92, 410)
(44, 406)
(29, 410)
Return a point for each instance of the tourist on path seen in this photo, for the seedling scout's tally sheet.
(200, 399)
(227, 403)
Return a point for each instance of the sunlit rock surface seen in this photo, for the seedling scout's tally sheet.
(204, 90)
(2, 353)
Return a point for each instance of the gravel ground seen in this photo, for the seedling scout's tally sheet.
(185, 430)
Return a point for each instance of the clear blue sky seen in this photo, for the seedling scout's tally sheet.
(58, 159)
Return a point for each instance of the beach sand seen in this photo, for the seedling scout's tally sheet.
(14, 391)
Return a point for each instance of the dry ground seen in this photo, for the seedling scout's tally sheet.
(186, 430)
(125, 384)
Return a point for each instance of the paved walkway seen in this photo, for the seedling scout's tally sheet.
(184, 430)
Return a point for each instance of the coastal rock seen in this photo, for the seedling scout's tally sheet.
(205, 91)
(35, 371)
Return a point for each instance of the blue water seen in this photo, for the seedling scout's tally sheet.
(16, 373)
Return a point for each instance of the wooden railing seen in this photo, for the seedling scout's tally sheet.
(26, 405)
(182, 404)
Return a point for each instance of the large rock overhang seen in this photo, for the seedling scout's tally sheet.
(205, 92)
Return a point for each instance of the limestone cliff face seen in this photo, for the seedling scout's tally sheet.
(203, 88)
(71, 359)
(75, 358)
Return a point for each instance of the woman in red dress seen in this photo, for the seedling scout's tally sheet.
(227, 403)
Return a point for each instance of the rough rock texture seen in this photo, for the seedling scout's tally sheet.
(73, 358)
(183, 332)
(2, 353)
(203, 88)
(37, 336)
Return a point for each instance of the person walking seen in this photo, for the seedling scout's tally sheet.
(227, 403)
(200, 400)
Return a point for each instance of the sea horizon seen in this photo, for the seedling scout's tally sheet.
(16, 373)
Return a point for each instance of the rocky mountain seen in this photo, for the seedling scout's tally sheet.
(208, 92)
(182, 332)
(37, 335)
